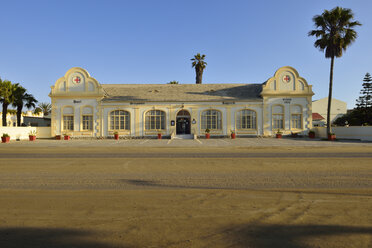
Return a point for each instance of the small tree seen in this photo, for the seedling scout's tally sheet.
(45, 107)
(173, 82)
(364, 102)
(22, 99)
(7, 96)
(37, 110)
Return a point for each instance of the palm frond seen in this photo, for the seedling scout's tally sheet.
(334, 31)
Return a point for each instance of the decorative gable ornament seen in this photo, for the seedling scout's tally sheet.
(76, 80)
(286, 79)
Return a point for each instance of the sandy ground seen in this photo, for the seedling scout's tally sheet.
(73, 200)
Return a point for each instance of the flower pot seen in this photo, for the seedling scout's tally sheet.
(32, 137)
(66, 137)
(233, 135)
(311, 135)
(116, 136)
(159, 135)
(278, 135)
(5, 139)
(58, 137)
(207, 135)
(331, 136)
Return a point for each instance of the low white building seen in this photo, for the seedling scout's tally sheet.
(338, 108)
(11, 119)
(81, 106)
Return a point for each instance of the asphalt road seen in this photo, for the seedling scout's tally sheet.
(189, 155)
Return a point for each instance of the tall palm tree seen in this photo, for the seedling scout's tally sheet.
(7, 97)
(334, 32)
(22, 99)
(199, 64)
(45, 107)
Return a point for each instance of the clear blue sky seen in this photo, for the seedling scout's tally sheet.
(153, 42)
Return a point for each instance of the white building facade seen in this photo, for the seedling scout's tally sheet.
(338, 109)
(82, 107)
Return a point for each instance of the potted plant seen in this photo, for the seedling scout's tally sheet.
(207, 133)
(32, 135)
(278, 134)
(5, 138)
(332, 136)
(66, 136)
(232, 134)
(159, 135)
(311, 134)
(116, 135)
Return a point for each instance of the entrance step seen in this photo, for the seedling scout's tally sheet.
(184, 136)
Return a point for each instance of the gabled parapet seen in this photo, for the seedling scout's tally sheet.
(76, 82)
(286, 81)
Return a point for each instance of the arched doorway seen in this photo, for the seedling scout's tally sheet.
(183, 122)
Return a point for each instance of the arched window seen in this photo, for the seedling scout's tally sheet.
(119, 120)
(68, 119)
(278, 117)
(296, 117)
(246, 119)
(155, 120)
(87, 119)
(211, 119)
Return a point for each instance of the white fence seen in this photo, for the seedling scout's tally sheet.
(354, 132)
(22, 133)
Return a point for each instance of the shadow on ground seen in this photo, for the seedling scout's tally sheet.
(290, 236)
(159, 184)
(49, 237)
(149, 183)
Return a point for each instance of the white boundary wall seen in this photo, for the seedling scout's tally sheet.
(354, 132)
(23, 132)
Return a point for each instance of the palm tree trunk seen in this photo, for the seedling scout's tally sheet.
(19, 113)
(5, 111)
(197, 76)
(200, 76)
(330, 96)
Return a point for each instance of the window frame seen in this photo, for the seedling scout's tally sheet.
(126, 121)
(153, 119)
(298, 120)
(83, 121)
(280, 120)
(238, 123)
(204, 123)
(63, 122)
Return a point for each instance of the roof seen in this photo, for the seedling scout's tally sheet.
(182, 92)
(317, 117)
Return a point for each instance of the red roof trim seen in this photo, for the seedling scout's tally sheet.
(317, 117)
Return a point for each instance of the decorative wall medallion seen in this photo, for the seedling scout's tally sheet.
(286, 79)
(76, 80)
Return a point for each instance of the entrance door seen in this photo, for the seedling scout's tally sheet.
(183, 122)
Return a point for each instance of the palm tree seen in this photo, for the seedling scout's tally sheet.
(7, 90)
(37, 110)
(45, 107)
(199, 64)
(334, 32)
(22, 99)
